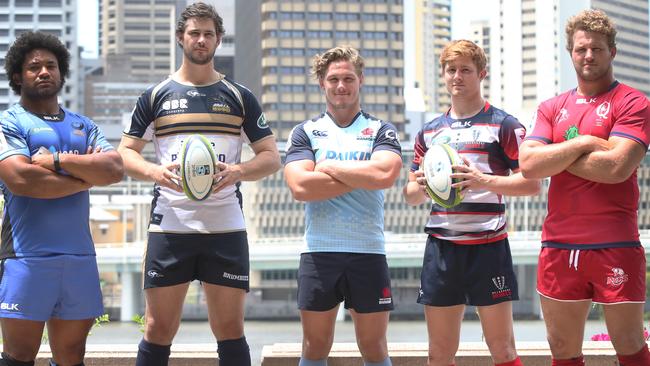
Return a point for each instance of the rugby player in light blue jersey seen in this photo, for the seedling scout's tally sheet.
(197, 240)
(339, 163)
(49, 158)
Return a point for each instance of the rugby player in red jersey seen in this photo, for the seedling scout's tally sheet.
(590, 141)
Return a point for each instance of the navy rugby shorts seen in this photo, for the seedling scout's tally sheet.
(60, 286)
(478, 275)
(327, 278)
(219, 259)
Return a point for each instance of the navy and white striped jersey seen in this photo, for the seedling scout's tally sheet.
(489, 140)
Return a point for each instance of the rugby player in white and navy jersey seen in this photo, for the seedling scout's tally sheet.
(467, 258)
(203, 240)
(339, 163)
(49, 159)
(590, 141)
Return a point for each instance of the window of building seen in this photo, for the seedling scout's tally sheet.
(49, 18)
(56, 3)
(23, 17)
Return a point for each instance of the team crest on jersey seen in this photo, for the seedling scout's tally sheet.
(571, 132)
(385, 296)
(562, 116)
(261, 121)
(617, 277)
(603, 110)
(502, 289)
(221, 107)
(367, 134)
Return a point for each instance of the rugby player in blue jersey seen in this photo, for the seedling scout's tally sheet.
(49, 158)
(339, 163)
(467, 258)
(197, 240)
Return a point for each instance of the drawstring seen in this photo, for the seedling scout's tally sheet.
(573, 258)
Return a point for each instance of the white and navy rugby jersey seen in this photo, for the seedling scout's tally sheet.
(35, 226)
(489, 140)
(228, 115)
(354, 221)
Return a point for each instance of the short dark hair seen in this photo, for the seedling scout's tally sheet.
(200, 10)
(29, 41)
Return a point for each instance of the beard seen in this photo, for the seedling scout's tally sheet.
(41, 93)
(592, 74)
(199, 60)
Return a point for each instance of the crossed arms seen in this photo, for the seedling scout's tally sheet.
(310, 181)
(592, 158)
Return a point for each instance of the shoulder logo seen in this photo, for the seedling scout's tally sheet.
(562, 116)
(261, 121)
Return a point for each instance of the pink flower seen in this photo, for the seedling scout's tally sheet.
(600, 337)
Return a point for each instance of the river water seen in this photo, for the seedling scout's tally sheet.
(260, 333)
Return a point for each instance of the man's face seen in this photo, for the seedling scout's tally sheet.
(462, 77)
(341, 85)
(40, 77)
(591, 56)
(200, 40)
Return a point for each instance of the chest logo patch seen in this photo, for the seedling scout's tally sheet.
(571, 132)
(603, 110)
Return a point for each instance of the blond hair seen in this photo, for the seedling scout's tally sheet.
(322, 61)
(591, 20)
(463, 48)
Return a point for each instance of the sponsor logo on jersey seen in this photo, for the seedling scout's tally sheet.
(174, 104)
(154, 274)
(3, 142)
(52, 117)
(585, 100)
(501, 286)
(194, 93)
(617, 277)
(261, 121)
(36, 130)
(221, 107)
(9, 307)
(319, 133)
(347, 155)
(235, 277)
(391, 135)
(461, 124)
(367, 131)
(571, 132)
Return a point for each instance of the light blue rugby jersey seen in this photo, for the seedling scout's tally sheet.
(352, 222)
(39, 227)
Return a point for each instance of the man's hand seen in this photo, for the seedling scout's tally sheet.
(164, 175)
(227, 174)
(472, 178)
(420, 179)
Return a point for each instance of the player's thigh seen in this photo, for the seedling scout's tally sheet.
(225, 310)
(496, 321)
(565, 325)
(319, 279)
(370, 328)
(21, 338)
(318, 332)
(163, 308)
(80, 293)
(367, 283)
(67, 339)
(443, 328)
(625, 326)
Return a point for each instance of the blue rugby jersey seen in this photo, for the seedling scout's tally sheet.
(352, 222)
(38, 227)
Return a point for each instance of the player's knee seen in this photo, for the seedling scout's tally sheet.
(160, 331)
(441, 353)
(502, 350)
(234, 352)
(627, 343)
(317, 347)
(7, 360)
(373, 349)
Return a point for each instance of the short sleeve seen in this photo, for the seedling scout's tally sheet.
(387, 139)
(419, 149)
(299, 146)
(255, 125)
(511, 135)
(543, 125)
(633, 119)
(141, 118)
(96, 137)
(12, 138)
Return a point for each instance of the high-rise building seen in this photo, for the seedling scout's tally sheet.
(143, 30)
(480, 34)
(428, 31)
(529, 60)
(57, 17)
(274, 59)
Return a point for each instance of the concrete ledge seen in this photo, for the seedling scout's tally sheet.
(415, 354)
(343, 354)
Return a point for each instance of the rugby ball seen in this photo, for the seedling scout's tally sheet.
(197, 167)
(437, 170)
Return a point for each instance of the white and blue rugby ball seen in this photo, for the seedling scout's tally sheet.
(197, 167)
(437, 171)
